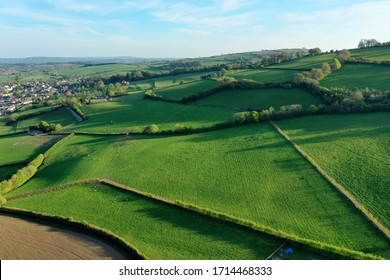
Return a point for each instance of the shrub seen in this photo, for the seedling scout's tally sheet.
(3, 200)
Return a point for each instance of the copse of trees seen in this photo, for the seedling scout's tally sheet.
(46, 127)
(371, 43)
(315, 51)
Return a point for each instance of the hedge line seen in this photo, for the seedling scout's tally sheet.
(22, 175)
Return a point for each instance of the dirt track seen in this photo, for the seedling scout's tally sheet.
(27, 240)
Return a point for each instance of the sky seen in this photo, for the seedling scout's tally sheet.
(173, 29)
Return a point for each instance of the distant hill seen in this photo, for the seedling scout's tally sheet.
(83, 60)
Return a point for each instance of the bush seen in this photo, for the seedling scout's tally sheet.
(3, 200)
(150, 129)
(37, 161)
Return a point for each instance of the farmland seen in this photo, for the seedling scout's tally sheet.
(353, 150)
(185, 90)
(378, 54)
(222, 186)
(252, 157)
(360, 76)
(127, 115)
(307, 62)
(259, 98)
(22, 148)
(265, 75)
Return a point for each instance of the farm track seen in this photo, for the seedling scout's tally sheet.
(333, 182)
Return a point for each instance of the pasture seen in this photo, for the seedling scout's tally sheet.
(159, 231)
(185, 90)
(265, 75)
(354, 150)
(165, 82)
(129, 115)
(259, 99)
(359, 76)
(22, 148)
(248, 172)
(307, 62)
(378, 54)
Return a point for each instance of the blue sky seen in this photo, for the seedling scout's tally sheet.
(159, 28)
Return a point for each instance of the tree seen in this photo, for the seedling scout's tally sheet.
(14, 117)
(151, 129)
(315, 51)
(316, 74)
(100, 85)
(223, 72)
(326, 68)
(335, 65)
(344, 55)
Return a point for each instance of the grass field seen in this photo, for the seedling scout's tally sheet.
(259, 98)
(378, 54)
(249, 172)
(132, 115)
(165, 82)
(61, 116)
(184, 90)
(265, 75)
(7, 129)
(360, 76)
(354, 150)
(27, 113)
(21, 148)
(159, 231)
(307, 62)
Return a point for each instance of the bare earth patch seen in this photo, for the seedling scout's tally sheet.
(27, 240)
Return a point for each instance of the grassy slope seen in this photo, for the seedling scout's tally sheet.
(132, 115)
(249, 172)
(164, 82)
(61, 116)
(360, 76)
(20, 148)
(265, 75)
(260, 98)
(159, 231)
(354, 150)
(307, 62)
(7, 129)
(180, 91)
(373, 53)
(7, 171)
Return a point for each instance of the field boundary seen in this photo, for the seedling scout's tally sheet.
(315, 246)
(334, 183)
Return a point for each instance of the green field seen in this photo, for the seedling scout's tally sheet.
(127, 115)
(61, 116)
(159, 231)
(165, 82)
(377, 54)
(265, 75)
(259, 98)
(353, 149)
(7, 129)
(22, 148)
(184, 90)
(360, 76)
(248, 172)
(307, 62)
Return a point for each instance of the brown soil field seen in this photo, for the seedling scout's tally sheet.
(28, 240)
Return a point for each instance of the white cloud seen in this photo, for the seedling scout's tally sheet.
(194, 31)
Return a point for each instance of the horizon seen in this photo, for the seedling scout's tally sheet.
(172, 29)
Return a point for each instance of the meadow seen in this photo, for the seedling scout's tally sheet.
(166, 82)
(187, 89)
(265, 75)
(23, 148)
(378, 54)
(259, 99)
(359, 76)
(354, 150)
(307, 62)
(248, 172)
(129, 115)
(157, 230)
